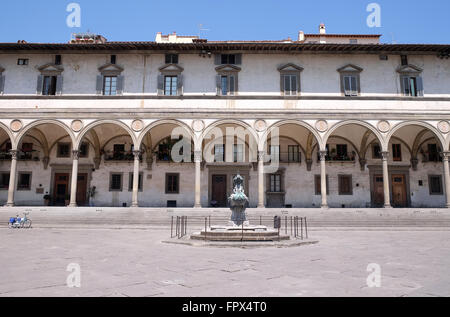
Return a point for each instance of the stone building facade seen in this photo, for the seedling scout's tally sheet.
(97, 123)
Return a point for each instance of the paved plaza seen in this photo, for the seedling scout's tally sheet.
(134, 262)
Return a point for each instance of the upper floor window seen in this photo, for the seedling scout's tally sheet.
(170, 85)
(219, 153)
(376, 151)
(238, 153)
(58, 59)
(350, 80)
(171, 58)
(84, 149)
(411, 83)
(228, 59)
(63, 150)
(170, 81)
(293, 153)
(397, 152)
(50, 80)
(110, 82)
(22, 61)
(353, 41)
(110, 85)
(227, 80)
(290, 79)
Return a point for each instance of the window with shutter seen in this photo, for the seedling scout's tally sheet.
(345, 185)
(350, 85)
(115, 182)
(317, 183)
(397, 152)
(435, 184)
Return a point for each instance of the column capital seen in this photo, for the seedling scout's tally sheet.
(14, 154)
(384, 155)
(198, 156)
(261, 155)
(75, 155)
(323, 155)
(137, 154)
(445, 155)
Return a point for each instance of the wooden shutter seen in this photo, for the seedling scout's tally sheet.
(160, 85)
(232, 84)
(59, 85)
(404, 83)
(180, 85)
(238, 59)
(120, 85)
(419, 82)
(39, 84)
(354, 90)
(99, 85)
(217, 59)
(347, 85)
(218, 84)
(2, 84)
(282, 78)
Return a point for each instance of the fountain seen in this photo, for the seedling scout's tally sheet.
(239, 228)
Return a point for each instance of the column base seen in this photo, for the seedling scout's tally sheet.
(134, 205)
(9, 205)
(261, 206)
(72, 205)
(324, 206)
(197, 206)
(387, 206)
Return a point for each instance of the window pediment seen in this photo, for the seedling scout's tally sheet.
(171, 69)
(408, 69)
(110, 69)
(228, 69)
(51, 69)
(350, 68)
(290, 68)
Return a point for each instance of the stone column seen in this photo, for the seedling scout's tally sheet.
(261, 194)
(445, 156)
(74, 183)
(387, 196)
(134, 200)
(323, 178)
(198, 161)
(12, 178)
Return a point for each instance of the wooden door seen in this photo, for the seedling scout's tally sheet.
(378, 191)
(399, 198)
(219, 191)
(61, 189)
(82, 189)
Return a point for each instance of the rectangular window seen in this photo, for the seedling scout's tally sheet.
(22, 61)
(412, 86)
(274, 153)
(317, 183)
(172, 183)
(293, 153)
(49, 86)
(84, 148)
(290, 84)
(115, 182)
(228, 59)
(58, 59)
(118, 151)
(4, 180)
(170, 85)
(345, 185)
(275, 183)
(113, 59)
(24, 181)
(110, 85)
(63, 150)
(341, 151)
(171, 58)
(404, 60)
(435, 182)
(131, 179)
(397, 152)
(350, 85)
(353, 41)
(238, 153)
(376, 151)
(219, 153)
(227, 85)
(433, 153)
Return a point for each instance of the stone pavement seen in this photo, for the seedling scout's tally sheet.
(132, 262)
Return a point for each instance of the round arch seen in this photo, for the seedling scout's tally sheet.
(426, 125)
(100, 122)
(355, 122)
(284, 122)
(218, 123)
(152, 125)
(36, 123)
(357, 150)
(8, 133)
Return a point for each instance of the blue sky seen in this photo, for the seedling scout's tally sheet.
(404, 21)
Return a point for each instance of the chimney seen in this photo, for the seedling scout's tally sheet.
(322, 29)
(158, 38)
(301, 36)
